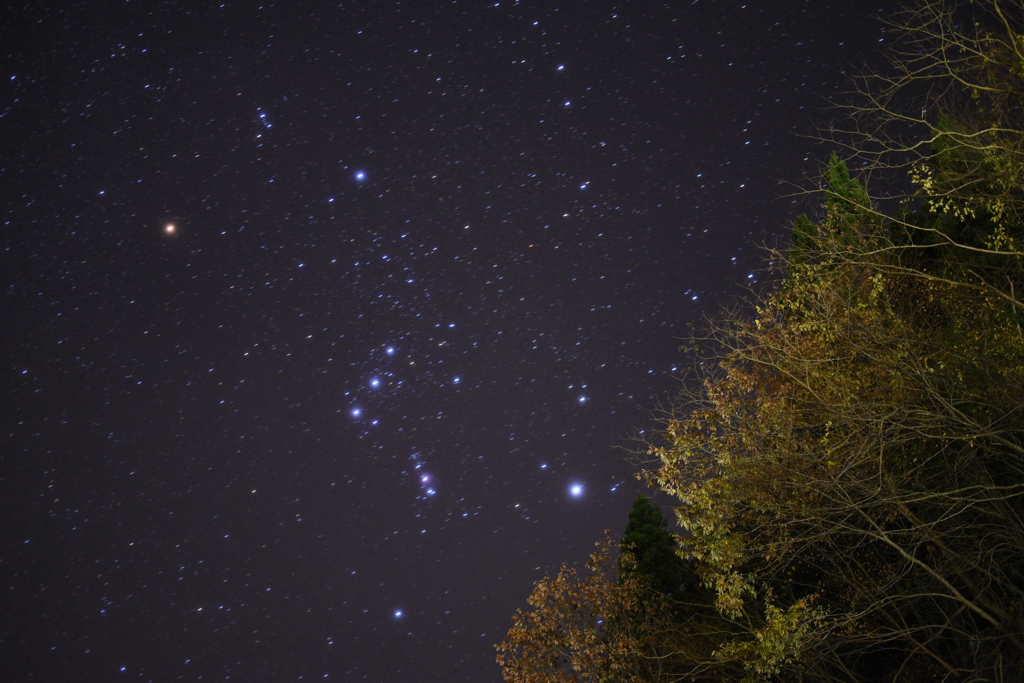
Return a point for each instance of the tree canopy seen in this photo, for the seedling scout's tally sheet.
(653, 551)
(848, 463)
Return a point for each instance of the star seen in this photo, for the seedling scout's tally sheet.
(300, 292)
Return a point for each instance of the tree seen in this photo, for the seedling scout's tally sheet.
(946, 112)
(848, 461)
(610, 624)
(582, 628)
(852, 476)
(652, 551)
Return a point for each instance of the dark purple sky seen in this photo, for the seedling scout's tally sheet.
(431, 264)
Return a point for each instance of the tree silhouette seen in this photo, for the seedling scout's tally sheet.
(654, 551)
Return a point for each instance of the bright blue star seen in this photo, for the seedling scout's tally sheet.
(360, 176)
(576, 490)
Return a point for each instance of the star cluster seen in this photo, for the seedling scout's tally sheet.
(323, 321)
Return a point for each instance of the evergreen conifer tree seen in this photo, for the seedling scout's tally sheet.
(653, 548)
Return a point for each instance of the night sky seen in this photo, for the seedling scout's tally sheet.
(323, 323)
